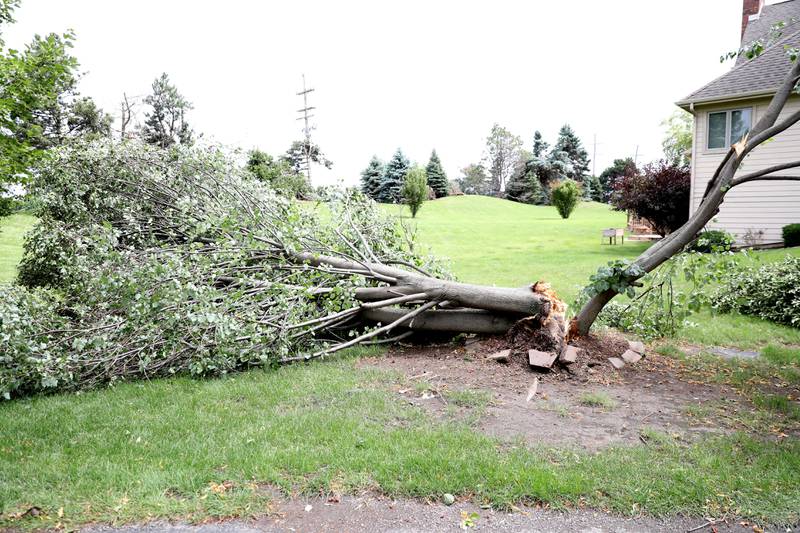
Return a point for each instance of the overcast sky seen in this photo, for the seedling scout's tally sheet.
(414, 74)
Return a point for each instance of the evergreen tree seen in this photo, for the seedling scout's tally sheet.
(571, 145)
(371, 178)
(393, 178)
(415, 189)
(539, 146)
(166, 124)
(610, 176)
(437, 179)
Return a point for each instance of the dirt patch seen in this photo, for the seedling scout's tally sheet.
(375, 513)
(590, 405)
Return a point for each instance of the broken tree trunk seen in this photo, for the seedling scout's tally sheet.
(722, 181)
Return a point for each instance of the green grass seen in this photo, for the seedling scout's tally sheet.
(12, 231)
(164, 448)
(498, 242)
(190, 449)
(597, 399)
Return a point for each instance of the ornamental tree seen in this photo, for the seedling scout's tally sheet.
(659, 193)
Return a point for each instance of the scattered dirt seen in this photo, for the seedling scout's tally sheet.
(368, 514)
(648, 395)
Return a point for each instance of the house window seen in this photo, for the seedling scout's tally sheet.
(728, 127)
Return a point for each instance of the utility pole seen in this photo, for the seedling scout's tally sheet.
(306, 129)
(636, 156)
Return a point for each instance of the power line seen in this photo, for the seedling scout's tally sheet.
(306, 129)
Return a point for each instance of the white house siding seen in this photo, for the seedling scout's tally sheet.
(758, 206)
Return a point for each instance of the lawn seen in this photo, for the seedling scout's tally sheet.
(493, 241)
(191, 449)
(12, 231)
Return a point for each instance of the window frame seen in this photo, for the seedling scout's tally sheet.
(728, 114)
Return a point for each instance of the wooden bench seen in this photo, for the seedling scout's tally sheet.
(611, 234)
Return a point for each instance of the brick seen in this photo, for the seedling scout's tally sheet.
(631, 357)
(569, 355)
(541, 359)
(616, 362)
(636, 346)
(501, 357)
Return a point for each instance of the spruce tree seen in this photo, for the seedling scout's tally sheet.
(437, 179)
(539, 146)
(571, 145)
(393, 177)
(371, 178)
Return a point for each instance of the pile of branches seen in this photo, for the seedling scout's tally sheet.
(147, 263)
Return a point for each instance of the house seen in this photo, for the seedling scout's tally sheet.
(726, 108)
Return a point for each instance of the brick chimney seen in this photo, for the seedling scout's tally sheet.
(750, 8)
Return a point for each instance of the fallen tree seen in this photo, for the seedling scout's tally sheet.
(148, 262)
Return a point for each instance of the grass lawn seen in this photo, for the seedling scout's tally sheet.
(193, 449)
(12, 231)
(493, 241)
(190, 449)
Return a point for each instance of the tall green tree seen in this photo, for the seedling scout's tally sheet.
(474, 180)
(611, 176)
(503, 152)
(539, 145)
(569, 143)
(36, 87)
(371, 178)
(415, 189)
(393, 178)
(295, 156)
(165, 124)
(437, 179)
(278, 173)
(86, 118)
(677, 143)
(524, 185)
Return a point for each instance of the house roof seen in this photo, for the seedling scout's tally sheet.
(761, 75)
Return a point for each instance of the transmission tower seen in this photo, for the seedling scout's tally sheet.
(306, 128)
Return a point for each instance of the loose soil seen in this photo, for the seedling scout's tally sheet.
(376, 514)
(647, 395)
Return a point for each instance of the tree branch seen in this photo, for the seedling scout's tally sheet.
(745, 179)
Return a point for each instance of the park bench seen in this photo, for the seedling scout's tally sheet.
(611, 234)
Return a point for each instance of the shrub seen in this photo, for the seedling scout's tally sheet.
(658, 194)
(565, 196)
(712, 241)
(415, 189)
(791, 235)
(771, 292)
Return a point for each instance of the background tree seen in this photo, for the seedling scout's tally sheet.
(415, 189)
(35, 86)
(677, 143)
(393, 178)
(524, 185)
(437, 179)
(295, 156)
(576, 155)
(165, 124)
(658, 194)
(87, 119)
(502, 156)
(593, 189)
(281, 177)
(565, 196)
(609, 177)
(371, 177)
(539, 145)
(475, 180)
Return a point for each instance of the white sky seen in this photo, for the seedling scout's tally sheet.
(412, 74)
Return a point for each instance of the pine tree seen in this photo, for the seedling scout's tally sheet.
(371, 178)
(571, 145)
(437, 179)
(539, 146)
(393, 178)
(165, 125)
